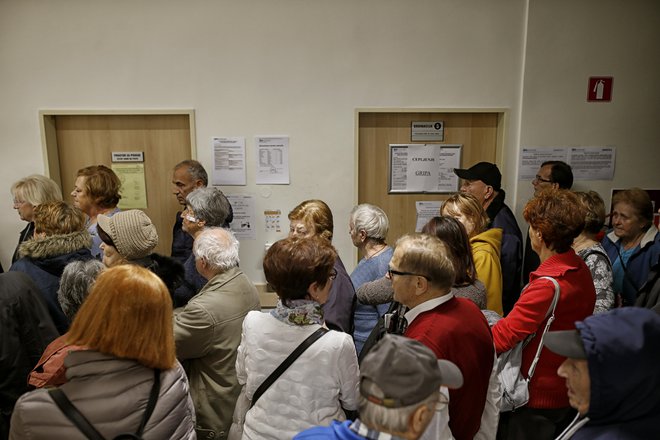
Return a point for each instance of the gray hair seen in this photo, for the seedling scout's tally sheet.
(219, 247)
(36, 189)
(209, 205)
(195, 170)
(370, 219)
(389, 419)
(76, 282)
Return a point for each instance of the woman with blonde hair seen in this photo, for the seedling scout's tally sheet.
(128, 364)
(28, 193)
(485, 243)
(314, 218)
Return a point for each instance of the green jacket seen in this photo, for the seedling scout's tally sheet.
(207, 332)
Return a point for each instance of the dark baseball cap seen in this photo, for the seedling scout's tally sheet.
(565, 343)
(406, 371)
(487, 172)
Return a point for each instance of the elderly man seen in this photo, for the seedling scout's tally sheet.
(612, 374)
(187, 176)
(207, 331)
(205, 207)
(454, 328)
(397, 401)
(484, 181)
(552, 174)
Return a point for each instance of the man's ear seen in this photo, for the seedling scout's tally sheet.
(421, 285)
(199, 183)
(419, 420)
(489, 192)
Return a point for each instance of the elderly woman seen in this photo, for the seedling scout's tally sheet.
(205, 208)
(59, 238)
(314, 218)
(313, 389)
(453, 235)
(634, 244)
(368, 225)
(96, 191)
(129, 363)
(590, 250)
(485, 244)
(555, 219)
(29, 192)
(77, 280)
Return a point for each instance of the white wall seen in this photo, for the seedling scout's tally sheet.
(302, 67)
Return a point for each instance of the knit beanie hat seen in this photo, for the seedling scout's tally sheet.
(131, 231)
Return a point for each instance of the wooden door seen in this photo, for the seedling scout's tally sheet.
(76, 141)
(477, 132)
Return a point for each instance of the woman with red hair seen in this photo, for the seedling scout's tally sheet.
(555, 218)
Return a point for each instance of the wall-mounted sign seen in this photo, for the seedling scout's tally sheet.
(133, 185)
(128, 156)
(424, 168)
(427, 131)
(600, 89)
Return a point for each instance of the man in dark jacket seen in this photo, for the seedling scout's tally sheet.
(612, 374)
(484, 181)
(25, 330)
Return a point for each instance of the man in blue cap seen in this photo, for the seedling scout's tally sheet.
(612, 374)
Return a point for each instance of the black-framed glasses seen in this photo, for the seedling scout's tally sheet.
(333, 275)
(538, 178)
(391, 272)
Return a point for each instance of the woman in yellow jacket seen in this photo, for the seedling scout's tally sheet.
(486, 244)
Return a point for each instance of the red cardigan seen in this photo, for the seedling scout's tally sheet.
(576, 301)
(457, 331)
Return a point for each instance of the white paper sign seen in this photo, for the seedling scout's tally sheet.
(273, 220)
(424, 168)
(592, 163)
(532, 158)
(243, 225)
(229, 161)
(426, 210)
(272, 160)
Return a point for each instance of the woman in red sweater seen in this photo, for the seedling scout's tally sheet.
(555, 218)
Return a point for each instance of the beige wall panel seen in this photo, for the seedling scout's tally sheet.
(84, 140)
(477, 132)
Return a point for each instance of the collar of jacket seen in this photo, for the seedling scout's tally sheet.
(221, 279)
(649, 237)
(53, 245)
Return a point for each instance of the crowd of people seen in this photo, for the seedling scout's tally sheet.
(102, 335)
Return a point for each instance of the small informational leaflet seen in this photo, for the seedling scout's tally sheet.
(426, 210)
(229, 161)
(424, 168)
(273, 220)
(243, 225)
(433, 131)
(592, 163)
(133, 186)
(272, 160)
(532, 158)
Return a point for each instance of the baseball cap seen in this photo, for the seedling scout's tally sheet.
(406, 371)
(565, 343)
(487, 172)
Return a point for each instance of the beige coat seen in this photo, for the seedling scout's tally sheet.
(207, 332)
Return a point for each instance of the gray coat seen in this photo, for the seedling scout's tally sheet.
(112, 394)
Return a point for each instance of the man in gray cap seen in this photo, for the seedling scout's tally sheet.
(612, 374)
(400, 381)
(484, 181)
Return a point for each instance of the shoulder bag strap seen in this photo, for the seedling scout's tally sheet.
(151, 405)
(287, 362)
(72, 413)
(551, 313)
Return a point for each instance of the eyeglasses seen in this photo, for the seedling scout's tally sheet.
(538, 178)
(391, 272)
(333, 275)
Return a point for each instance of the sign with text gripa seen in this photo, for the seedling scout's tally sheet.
(424, 168)
(427, 131)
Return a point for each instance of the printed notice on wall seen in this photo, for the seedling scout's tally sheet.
(426, 210)
(273, 219)
(592, 163)
(424, 168)
(229, 161)
(272, 160)
(133, 187)
(532, 158)
(243, 225)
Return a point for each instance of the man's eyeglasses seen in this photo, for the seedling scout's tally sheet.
(538, 178)
(391, 272)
